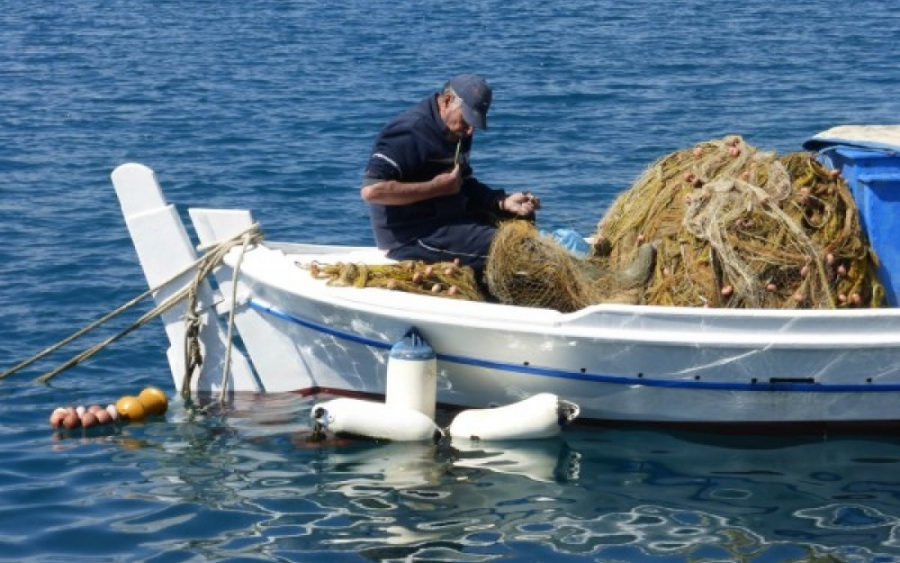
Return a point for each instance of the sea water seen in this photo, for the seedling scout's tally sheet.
(272, 107)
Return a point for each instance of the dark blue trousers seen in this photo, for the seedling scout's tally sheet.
(469, 242)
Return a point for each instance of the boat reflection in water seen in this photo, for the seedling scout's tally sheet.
(587, 495)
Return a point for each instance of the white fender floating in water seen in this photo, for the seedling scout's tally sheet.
(540, 416)
(369, 419)
(412, 375)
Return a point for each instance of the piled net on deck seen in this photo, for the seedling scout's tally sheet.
(445, 279)
(531, 269)
(721, 224)
(737, 227)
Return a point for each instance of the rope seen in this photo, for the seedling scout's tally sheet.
(161, 308)
(226, 369)
(205, 264)
(95, 324)
(193, 354)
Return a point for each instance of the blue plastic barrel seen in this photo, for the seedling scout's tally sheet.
(873, 175)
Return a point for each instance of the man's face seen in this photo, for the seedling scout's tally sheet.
(452, 114)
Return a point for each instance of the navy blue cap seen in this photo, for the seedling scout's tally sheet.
(476, 98)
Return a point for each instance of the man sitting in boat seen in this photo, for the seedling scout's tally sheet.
(424, 200)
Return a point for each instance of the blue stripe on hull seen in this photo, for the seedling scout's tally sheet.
(797, 387)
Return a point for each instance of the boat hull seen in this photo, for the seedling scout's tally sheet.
(617, 362)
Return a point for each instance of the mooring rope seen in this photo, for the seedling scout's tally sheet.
(226, 369)
(204, 265)
(193, 356)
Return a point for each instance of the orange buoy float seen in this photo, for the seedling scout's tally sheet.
(72, 420)
(154, 400)
(56, 418)
(130, 407)
(103, 417)
(89, 419)
(151, 401)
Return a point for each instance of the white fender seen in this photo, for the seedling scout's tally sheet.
(412, 375)
(540, 416)
(369, 419)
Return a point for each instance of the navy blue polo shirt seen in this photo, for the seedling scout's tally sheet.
(414, 148)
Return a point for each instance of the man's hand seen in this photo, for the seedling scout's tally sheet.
(521, 203)
(393, 192)
(448, 183)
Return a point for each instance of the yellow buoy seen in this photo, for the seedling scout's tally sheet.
(130, 407)
(154, 401)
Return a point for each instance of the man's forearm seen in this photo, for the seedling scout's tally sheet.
(392, 192)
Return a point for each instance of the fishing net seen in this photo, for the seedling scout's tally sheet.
(721, 224)
(528, 268)
(737, 227)
(445, 279)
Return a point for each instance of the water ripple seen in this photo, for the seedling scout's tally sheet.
(273, 107)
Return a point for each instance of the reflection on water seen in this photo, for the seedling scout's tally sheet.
(248, 481)
(541, 460)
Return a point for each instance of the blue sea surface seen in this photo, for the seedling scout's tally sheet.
(272, 107)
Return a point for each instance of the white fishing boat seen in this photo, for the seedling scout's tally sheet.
(677, 366)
